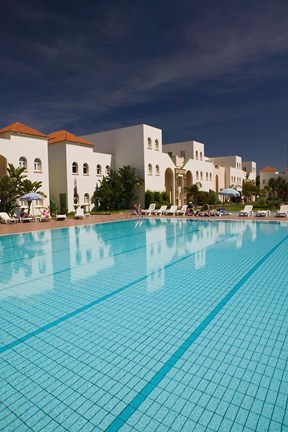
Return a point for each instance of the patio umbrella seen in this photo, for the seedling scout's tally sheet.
(229, 192)
(31, 196)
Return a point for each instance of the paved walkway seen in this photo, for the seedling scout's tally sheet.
(94, 219)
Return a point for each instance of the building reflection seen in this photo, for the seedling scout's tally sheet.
(108, 257)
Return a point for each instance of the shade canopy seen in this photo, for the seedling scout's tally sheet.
(229, 192)
(32, 196)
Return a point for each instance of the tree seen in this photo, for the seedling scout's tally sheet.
(193, 192)
(109, 192)
(9, 193)
(16, 173)
(271, 187)
(130, 181)
(281, 187)
(249, 189)
(11, 188)
(28, 186)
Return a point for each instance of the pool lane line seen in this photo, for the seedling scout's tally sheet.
(135, 403)
(84, 308)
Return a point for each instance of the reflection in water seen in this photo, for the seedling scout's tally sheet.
(24, 259)
(178, 238)
(111, 255)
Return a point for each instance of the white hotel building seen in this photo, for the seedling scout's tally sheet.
(62, 160)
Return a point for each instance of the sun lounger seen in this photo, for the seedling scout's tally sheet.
(5, 218)
(171, 211)
(79, 214)
(160, 211)
(150, 209)
(61, 216)
(263, 213)
(182, 211)
(283, 211)
(247, 211)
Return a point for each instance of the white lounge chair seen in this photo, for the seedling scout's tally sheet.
(263, 213)
(283, 211)
(160, 211)
(5, 218)
(150, 209)
(247, 211)
(79, 214)
(182, 211)
(61, 216)
(171, 211)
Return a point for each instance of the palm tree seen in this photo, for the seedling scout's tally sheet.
(271, 187)
(193, 192)
(11, 188)
(281, 187)
(249, 189)
(109, 193)
(16, 173)
(27, 186)
(130, 181)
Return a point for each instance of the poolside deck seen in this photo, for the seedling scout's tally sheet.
(94, 219)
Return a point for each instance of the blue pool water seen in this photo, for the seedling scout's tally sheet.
(155, 325)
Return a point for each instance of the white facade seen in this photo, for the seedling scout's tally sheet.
(83, 162)
(269, 172)
(29, 151)
(140, 147)
(234, 172)
(75, 164)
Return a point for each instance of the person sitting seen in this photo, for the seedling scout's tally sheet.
(205, 211)
(45, 215)
(137, 210)
(23, 213)
(190, 209)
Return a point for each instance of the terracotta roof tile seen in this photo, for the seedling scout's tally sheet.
(63, 135)
(21, 129)
(268, 169)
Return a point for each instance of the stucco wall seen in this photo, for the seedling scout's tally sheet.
(15, 146)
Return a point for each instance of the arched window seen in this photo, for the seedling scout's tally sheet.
(23, 162)
(157, 169)
(99, 170)
(107, 169)
(206, 176)
(201, 175)
(149, 143)
(86, 198)
(197, 175)
(210, 177)
(196, 155)
(85, 169)
(201, 156)
(74, 168)
(37, 165)
(149, 169)
(264, 182)
(156, 144)
(231, 179)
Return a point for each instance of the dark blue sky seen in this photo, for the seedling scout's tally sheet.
(212, 71)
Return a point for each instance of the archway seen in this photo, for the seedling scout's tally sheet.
(169, 184)
(217, 183)
(189, 179)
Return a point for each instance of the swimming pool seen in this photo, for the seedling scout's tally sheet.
(154, 325)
